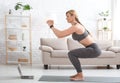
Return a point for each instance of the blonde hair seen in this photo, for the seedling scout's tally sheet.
(73, 12)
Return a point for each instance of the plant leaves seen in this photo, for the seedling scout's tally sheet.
(19, 5)
(26, 7)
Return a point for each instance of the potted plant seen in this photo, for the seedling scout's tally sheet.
(104, 14)
(22, 7)
(105, 28)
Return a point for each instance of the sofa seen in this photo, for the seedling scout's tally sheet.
(55, 52)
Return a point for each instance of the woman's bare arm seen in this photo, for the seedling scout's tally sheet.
(62, 33)
(65, 32)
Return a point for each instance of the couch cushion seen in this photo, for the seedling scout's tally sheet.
(107, 54)
(55, 43)
(64, 54)
(114, 49)
(72, 44)
(104, 44)
(60, 53)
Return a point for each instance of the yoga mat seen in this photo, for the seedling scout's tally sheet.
(51, 78)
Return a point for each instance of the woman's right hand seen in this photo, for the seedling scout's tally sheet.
(50, 22)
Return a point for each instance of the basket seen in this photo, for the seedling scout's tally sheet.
(22, 60)
(12, 49)
(12, 37)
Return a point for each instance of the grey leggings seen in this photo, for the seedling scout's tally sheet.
(90, 51)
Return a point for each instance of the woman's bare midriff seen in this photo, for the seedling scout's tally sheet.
(87, 41)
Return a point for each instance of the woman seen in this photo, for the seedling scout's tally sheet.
(80, 34)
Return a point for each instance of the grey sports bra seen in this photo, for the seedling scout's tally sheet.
(79, 37)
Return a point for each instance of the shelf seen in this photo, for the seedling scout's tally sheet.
(19, 51)
(104, 34)
(18, 37)
(15, 40)
(19, 28)
(23, 16)
(104, 30)
(16, 62)
(18, 41)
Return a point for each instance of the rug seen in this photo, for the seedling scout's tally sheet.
(51, 78)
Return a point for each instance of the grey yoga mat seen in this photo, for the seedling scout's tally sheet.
(51, 78)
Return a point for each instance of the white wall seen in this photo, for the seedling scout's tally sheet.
(55, 9)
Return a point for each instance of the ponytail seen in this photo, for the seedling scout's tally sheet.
(78, 20)
(81, 24)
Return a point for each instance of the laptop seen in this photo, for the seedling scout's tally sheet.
(24, 76)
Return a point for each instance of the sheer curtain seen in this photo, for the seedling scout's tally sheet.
(116, 22)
